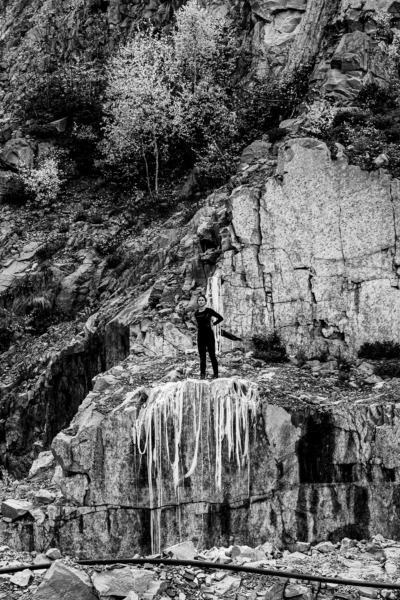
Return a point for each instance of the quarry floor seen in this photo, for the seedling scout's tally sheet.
(376, 560)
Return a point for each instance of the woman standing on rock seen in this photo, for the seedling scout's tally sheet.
(205, 335)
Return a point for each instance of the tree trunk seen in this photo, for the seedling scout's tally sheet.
(147, 169)
(156, 155)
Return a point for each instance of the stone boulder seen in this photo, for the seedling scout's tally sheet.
(76, 286)
(255, 151)
(18, 152)
(182, 551)
(356, 61)
(44, 497)
(10, 273)
(15, 509)
(66, 583)
(267, 8)
(42, 463)
(120, 582)
(22, 578)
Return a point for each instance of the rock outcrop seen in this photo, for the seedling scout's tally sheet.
(281, 36)
(308, 474)
(307, 248)
(38, 415)
(314, 254)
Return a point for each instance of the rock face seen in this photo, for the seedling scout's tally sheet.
(318, 257)
(307, 249)
(289, 34)
(309, 474)
(38, 415)
(281, 35)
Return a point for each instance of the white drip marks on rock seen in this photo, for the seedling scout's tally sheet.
(169, 428)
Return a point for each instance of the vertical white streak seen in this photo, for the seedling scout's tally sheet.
(230, 403)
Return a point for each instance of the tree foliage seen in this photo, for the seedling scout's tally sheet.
(143, 110)
(52, 77)
(44, 180)
(166, 100)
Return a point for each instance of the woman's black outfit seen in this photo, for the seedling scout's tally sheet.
(205, 338)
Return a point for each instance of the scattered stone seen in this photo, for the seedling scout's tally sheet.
(375, 550)
(44, 496)
(103, 382)
(298, 556)
(325, 547)
(346, 544)
(44, 461)
(228, 584)
(15, 509)
(53, 553)
(22, 578)
(368, 592)
(391, 553)
(154, 589)
(183, 551)
(40, 559)
(381, 161)
(295, 591)
(302, 546)
(68, 583)
(119, 582)
(390, 567)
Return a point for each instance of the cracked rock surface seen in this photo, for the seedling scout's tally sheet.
(315, 254)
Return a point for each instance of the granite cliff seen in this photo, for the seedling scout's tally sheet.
(299, 242)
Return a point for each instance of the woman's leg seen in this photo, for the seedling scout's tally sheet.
(202, 347)
(211, 352)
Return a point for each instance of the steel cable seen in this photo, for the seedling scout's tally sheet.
(211, 565)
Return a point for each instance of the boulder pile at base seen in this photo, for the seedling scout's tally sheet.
(375, 560)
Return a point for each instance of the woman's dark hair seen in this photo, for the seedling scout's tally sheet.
(201, 296)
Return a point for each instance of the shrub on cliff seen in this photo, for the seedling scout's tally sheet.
(379, 350)
(388, 370)
(6, 330)
(269, 348)
(44, 180)
(263, 103)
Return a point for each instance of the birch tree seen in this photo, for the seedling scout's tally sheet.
(143, 111)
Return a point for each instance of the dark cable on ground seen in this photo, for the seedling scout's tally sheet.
(211, 565)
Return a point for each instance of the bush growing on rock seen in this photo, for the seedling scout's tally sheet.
(380, 350)
(109, 243)
(388, 370)
(43, 181)
(269, 348)
(6, 330)
(263, 103)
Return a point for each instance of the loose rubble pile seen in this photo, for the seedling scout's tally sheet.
(289, 385)
(375, 560)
